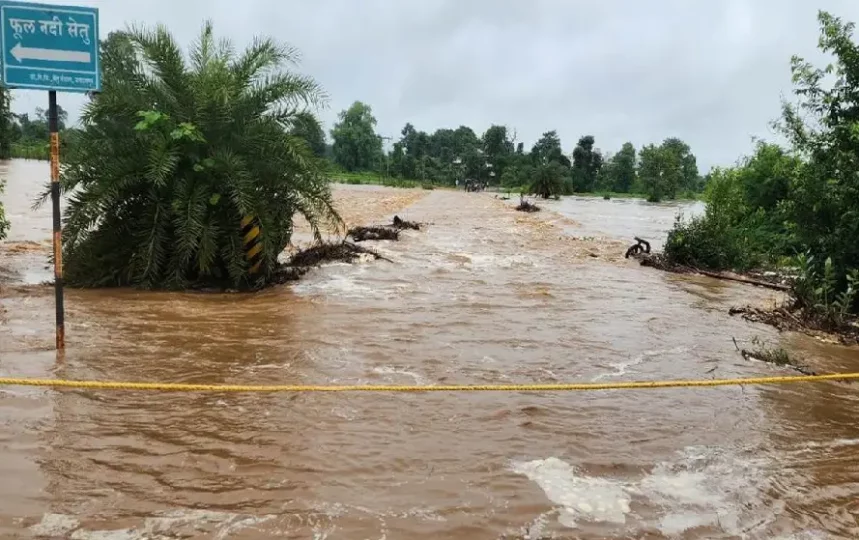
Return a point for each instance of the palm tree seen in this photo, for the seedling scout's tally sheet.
(174, 153)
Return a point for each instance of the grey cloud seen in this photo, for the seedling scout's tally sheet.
(709, 72)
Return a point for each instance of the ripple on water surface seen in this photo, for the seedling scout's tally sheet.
(482, 295)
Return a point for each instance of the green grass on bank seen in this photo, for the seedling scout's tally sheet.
(31, 151)
(374, 179)
(684, 197)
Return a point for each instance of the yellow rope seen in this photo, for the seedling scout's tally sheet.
(180, 387)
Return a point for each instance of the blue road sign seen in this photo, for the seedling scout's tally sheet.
(49, 47)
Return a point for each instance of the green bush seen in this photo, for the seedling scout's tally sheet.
(176, 151)
(740, 229)
(821, 292)
(31, 150)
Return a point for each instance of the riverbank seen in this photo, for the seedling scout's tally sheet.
(787, 314)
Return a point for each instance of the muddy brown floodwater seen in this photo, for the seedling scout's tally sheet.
(483, 295)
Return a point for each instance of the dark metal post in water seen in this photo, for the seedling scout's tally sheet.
(53, 127)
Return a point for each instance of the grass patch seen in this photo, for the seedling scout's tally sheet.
(776, 356)
(373, 179)
(33, 150)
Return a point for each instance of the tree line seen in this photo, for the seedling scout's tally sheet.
(26, 136)
(447, 156)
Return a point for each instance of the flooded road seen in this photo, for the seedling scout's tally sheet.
(482, 295)
(623, 218)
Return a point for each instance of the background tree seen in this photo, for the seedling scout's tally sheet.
(174, 153)
(586, 165)
(550, 166)
(306, 126)
(356, 146)
(658, 178)
(497, 148)
(667, 169)
(682, 155)
(547, 149)
(622, 169)
(7, 130)
(548, 179)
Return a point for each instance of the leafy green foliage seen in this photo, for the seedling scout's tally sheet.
(824, 129)
(306, 126)
(497, 148)
(7, 133)
(618, 173)
(779, 203)
(587, 163)
(821, 292)
(28, 137)
(738, 230)
(496, 159)
(548, 149)
(356, 145)
(667, 170)
(443, 157)
(716, 240)
(517, 174)
(174, 153)
(548, 179)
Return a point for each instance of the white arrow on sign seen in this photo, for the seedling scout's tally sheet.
(53, 55)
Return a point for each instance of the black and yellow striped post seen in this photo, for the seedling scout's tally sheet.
(251, 242)
(53, 128)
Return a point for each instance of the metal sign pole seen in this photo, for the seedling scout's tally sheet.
(58, 232)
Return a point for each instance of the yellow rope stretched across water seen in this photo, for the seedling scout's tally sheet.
(550, 387)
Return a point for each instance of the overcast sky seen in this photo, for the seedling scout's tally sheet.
(710, 72)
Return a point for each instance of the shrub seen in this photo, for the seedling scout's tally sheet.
(174, 153)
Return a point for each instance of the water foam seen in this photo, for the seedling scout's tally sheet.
(837, 443)
(219, 525)
(580, 497)
(344, 285)
(391, 370)
(622, 368)
(704, 487)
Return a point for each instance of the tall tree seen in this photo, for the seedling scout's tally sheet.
(586, 165)
(667, 169)
(550, 166)
(689, 179)
(497, 147)
(306, 126)
(356, 145)
(623, 169)
(547, 149)
(655, 173)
